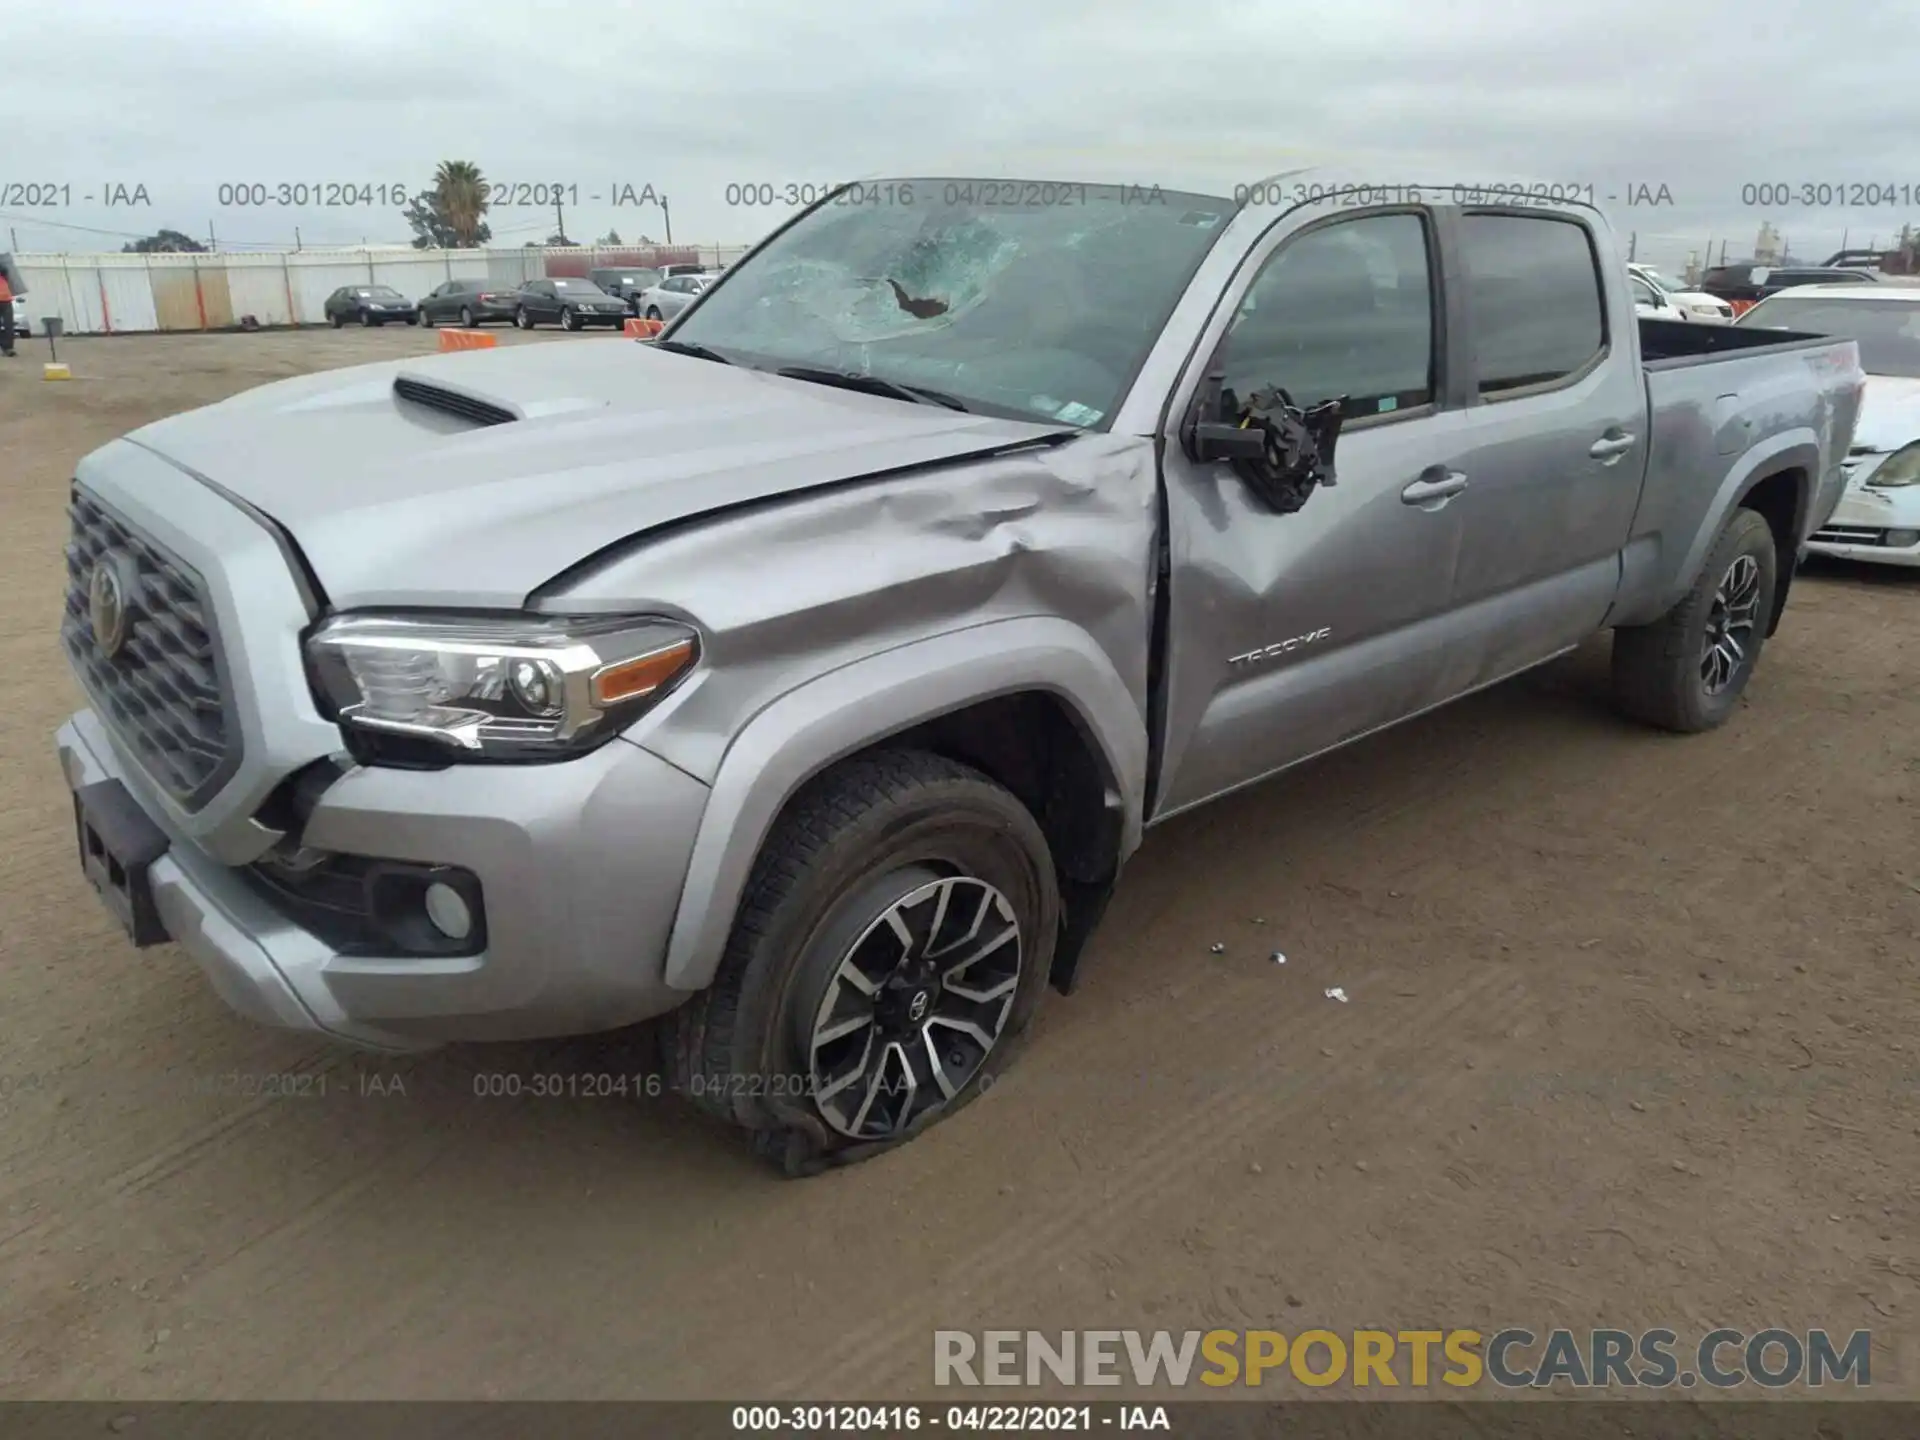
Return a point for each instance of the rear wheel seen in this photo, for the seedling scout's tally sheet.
(466, 318)
(1687, 670)
(891, 947)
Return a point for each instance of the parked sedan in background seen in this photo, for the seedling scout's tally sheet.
(1878, 518)
(471, 302)
(572, 302)
(369, 305)
(1692, 304)
(673, 294)
(627, 283)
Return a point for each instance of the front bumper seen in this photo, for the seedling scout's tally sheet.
(580, 863)
(1868, 525)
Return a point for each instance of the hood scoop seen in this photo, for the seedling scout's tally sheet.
(448, 401)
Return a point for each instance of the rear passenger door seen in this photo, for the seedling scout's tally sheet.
(1558, 405)
(1292, 633)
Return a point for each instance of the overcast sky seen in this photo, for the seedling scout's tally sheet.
(1703, 97)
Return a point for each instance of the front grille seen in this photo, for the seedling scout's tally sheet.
(1850, 535)
(164, 692)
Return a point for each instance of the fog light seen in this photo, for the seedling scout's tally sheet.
(1901, 539)
(448, 911)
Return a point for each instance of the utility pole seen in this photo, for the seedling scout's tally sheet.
(559, 219)
(213, 242)
(296, 237)
(668, 216)
(14, 236)
(1633, 246)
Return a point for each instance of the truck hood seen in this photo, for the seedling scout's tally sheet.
(1889, 413)
(394, 502)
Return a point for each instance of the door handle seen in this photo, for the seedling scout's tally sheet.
(1436, 482)
(1611, 447)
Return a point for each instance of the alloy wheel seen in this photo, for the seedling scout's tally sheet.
(914, 1007)
(1730, 625)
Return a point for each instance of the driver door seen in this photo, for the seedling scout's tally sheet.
(1291, 633)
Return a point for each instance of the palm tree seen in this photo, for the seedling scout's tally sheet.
(462, 192)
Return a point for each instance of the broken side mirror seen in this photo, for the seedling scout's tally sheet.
(1283, 453)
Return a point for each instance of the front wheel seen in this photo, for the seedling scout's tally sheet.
(569, 320)
(653, 312)
(366, 319)
(1687, 670)
(522, 320)
(466, 318)
(335, 320)
(890, 949)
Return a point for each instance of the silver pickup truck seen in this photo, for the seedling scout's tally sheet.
(807, 676)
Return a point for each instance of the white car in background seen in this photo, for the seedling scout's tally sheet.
(673, 294)
(1878, 517)
(1692, 304)
(20, 326)
(1651, 304)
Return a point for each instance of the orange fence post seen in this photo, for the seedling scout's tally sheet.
(644, 329)
(466, 340)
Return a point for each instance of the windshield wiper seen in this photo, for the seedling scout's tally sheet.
(687, 347)
(873, 385)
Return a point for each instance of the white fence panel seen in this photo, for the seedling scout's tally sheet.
(58, 286)
(129, 297)
(262, 286)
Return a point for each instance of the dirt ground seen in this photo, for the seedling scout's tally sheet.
(1631, 1041)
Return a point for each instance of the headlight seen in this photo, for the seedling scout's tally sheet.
(1899, 469)
(506, 688)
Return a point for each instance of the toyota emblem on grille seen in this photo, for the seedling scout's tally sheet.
(107, 609)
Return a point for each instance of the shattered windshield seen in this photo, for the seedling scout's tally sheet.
(1036, 300)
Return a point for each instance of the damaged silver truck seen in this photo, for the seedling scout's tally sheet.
(805, 678)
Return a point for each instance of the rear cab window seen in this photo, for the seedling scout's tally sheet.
(1536, 299)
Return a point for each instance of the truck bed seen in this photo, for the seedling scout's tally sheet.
(1717, 396)
(1670, 344)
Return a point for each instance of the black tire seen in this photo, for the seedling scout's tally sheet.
(568, 320)
(653, 313)
(852, 843)
(366, 318)
(466, 318)
(523, 320)
(336, 320)
(1663, 673)
(423, 318)
(414, 319)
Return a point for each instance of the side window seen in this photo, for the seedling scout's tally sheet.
(1534, 288)
(1346, 309)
